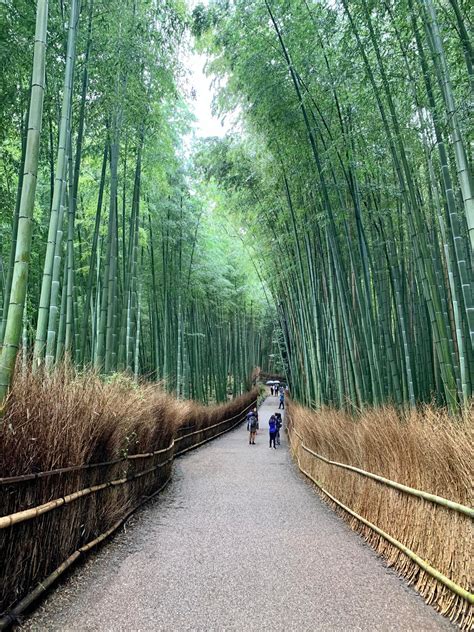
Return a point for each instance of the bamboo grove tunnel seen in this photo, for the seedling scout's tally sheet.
(204, 208)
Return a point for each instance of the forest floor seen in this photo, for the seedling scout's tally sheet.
(238, 541)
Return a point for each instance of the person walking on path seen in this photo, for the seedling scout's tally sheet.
(271, 390)
(252, 425)
(282, 400)
(279, 424)
(272, 427)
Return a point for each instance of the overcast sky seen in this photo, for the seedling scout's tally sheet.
(206, 124)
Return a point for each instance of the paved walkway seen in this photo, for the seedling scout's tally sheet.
(238, 541)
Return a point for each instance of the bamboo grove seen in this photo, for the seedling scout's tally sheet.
(354, 175)
(109, 254)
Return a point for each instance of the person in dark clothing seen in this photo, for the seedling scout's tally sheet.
(271, 390)
(279, 424)
(272, 425)
(252, 425)
(282, 400)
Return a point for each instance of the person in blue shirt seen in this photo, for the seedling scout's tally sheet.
(282, 400)
(279, 422)
(272, 427)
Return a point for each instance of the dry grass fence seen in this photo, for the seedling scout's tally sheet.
(426, 450)
(114, 442)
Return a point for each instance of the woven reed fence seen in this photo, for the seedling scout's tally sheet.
(425, 537)
(50, 519)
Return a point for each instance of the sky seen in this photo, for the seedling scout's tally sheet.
(206, 124)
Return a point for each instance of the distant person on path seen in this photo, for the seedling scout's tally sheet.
(272, 427)
(282, 400)
(271, 389)
(252, 425)
(279, 424)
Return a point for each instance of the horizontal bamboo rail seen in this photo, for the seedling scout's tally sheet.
(439, 500)
(35, 512)
(196, 445)
(12, 617)
(85, 466)
(455, 588)
(8, 480)
(190, 434)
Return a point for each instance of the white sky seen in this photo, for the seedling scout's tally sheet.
(206, 124)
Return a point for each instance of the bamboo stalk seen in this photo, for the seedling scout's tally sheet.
(35, 512)
(11, 617)
(455, 588)
(13, 325)
(439, 500)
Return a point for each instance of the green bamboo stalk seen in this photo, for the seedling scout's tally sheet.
(463, 169)
(25, 224)
(60, 175)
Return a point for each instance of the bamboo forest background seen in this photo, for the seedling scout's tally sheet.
(331, 231)
(354, 178)
(130, 268)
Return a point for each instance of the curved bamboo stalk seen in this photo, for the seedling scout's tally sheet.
(439, 500)
(455, 588)
(35, 512)
(11, 617)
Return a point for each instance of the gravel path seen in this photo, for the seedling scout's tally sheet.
(238, 541)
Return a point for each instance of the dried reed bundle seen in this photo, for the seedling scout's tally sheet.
(66, 419)
(425, 449)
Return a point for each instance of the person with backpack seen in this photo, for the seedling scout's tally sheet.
(282, 400)
(272, 427)
(252, 425)
(279, 424)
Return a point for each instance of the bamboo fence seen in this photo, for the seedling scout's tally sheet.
(180, 444)
(462, 615)
(444, 502)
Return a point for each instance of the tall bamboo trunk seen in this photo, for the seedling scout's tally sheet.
(59, 184)
(25, 216)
